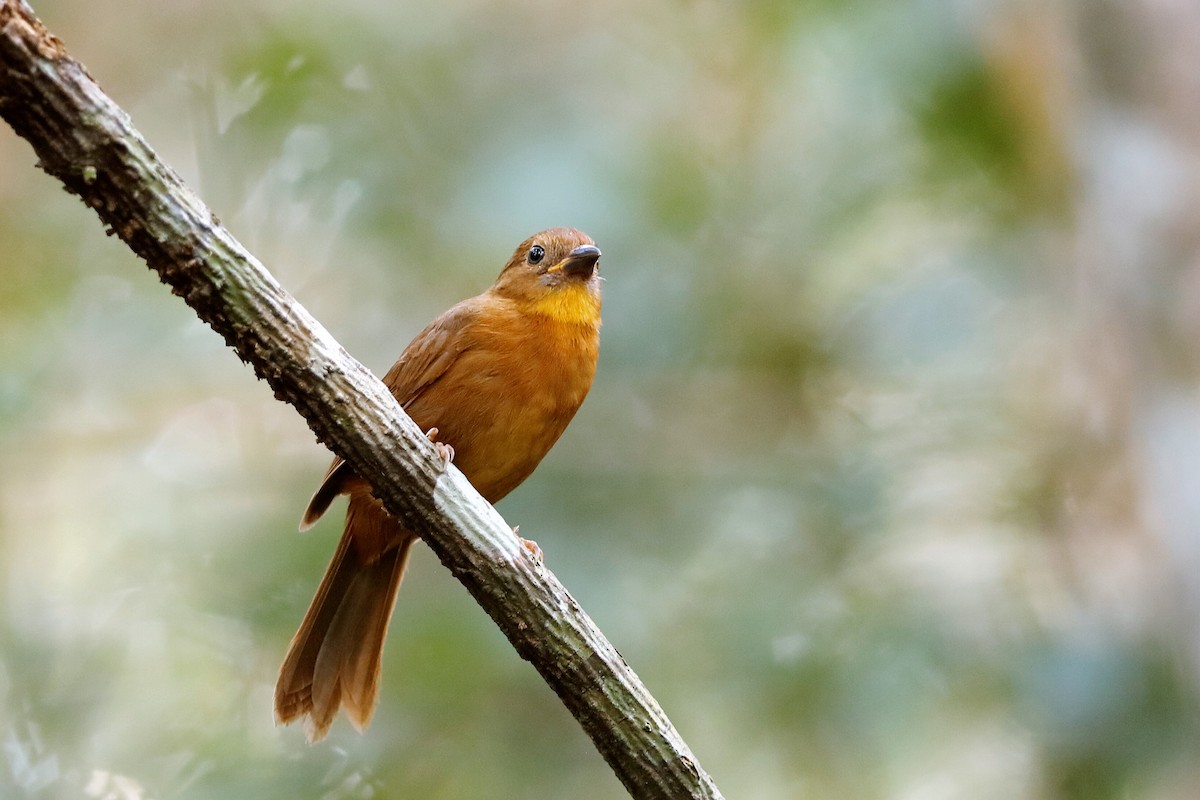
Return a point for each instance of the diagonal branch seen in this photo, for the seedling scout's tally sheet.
(85, 140)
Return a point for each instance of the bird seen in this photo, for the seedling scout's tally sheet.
(494, 380)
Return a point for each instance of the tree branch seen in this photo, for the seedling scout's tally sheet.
(86, 141)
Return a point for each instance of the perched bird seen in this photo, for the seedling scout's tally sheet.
(498, 376)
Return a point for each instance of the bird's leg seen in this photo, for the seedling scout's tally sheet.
(444, 450)
(529, 544)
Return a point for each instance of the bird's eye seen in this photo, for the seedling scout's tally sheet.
(536, 254)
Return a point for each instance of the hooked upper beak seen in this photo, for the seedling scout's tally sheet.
(581, 263)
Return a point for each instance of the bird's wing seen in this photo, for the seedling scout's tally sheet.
(331, 486)
(430, 354)
(422, 363)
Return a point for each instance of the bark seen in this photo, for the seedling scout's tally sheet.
(82, 138)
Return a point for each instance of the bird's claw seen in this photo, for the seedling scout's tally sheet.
(529, 544)
(444, 450)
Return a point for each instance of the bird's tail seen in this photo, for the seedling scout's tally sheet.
(334, 658)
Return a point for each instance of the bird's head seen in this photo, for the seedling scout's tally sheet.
(555, 273)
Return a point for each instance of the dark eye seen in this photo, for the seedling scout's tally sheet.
(536, 254)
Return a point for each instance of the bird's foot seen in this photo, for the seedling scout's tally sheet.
(529, 544)
(444, 450)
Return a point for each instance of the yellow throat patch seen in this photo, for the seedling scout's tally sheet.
(571, 304)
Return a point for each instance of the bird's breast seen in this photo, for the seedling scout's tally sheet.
(509, 396)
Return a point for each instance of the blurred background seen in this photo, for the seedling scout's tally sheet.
(889, 483)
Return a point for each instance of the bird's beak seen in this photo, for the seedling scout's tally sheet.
(581, 263)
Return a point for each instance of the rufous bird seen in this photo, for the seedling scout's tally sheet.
(498, 376)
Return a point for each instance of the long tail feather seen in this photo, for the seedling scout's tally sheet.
(335, 657)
